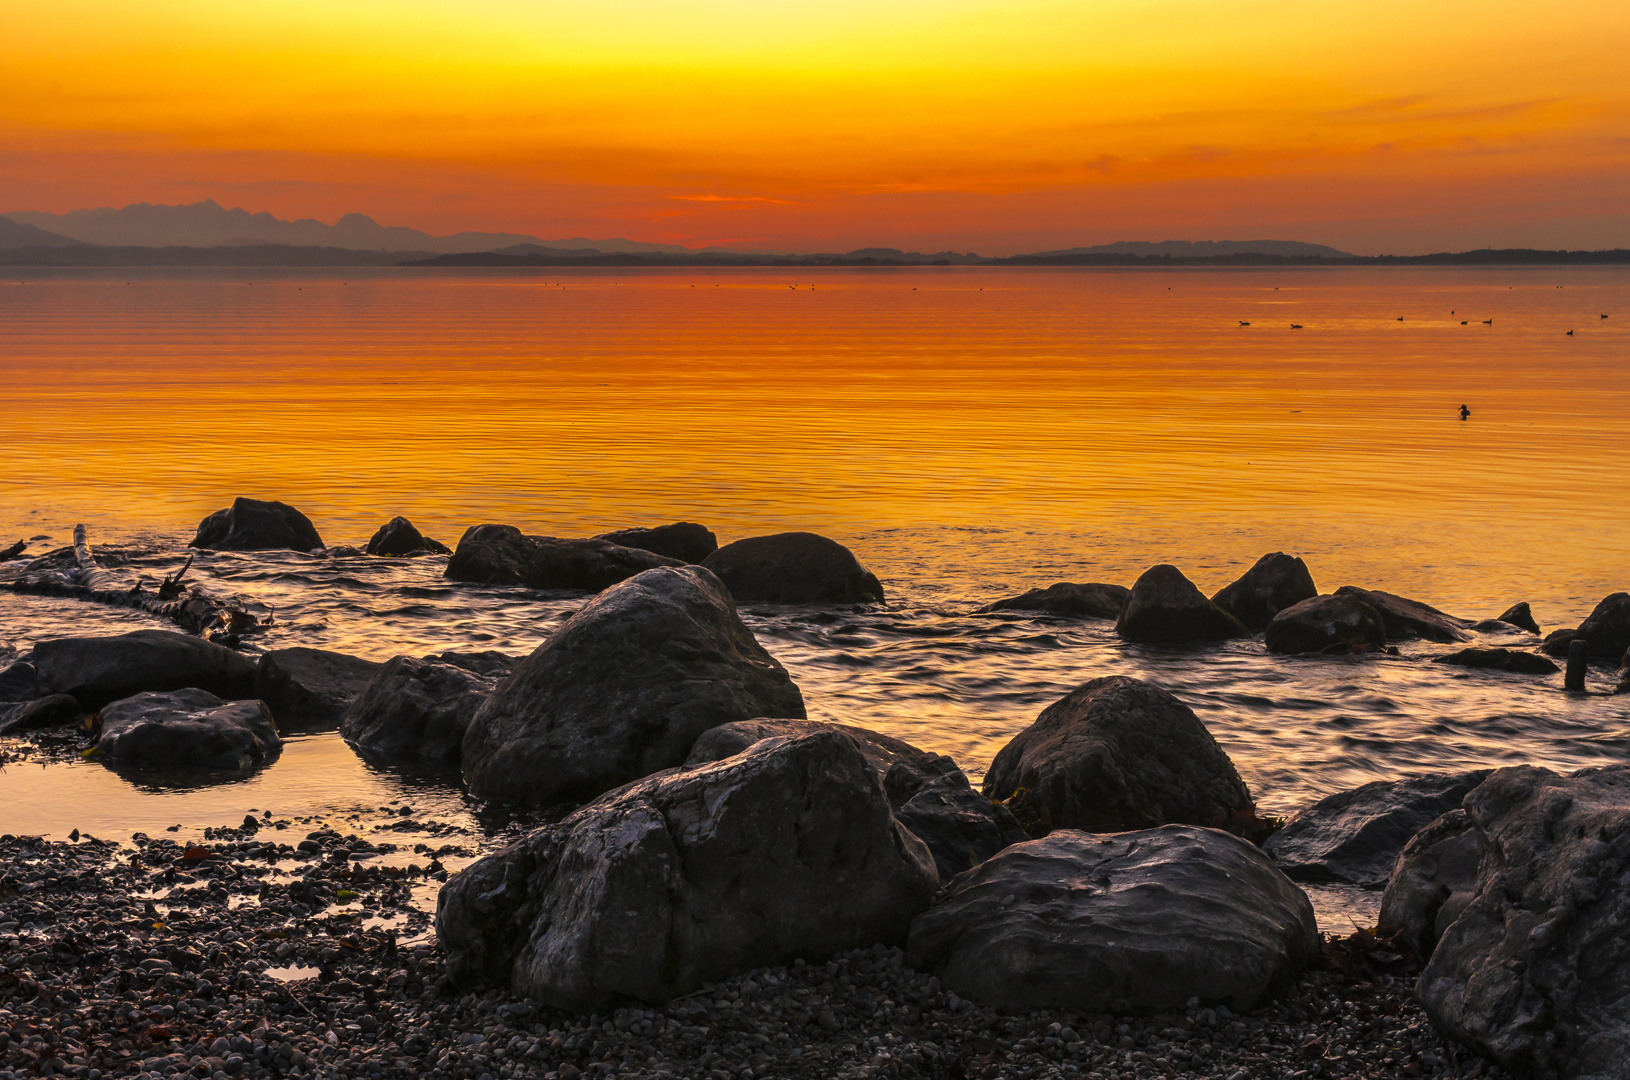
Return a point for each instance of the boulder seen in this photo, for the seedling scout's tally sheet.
(398, 537)
(1164, 606)
(488, 662)
(1093, 600)
(57, 710)
(1273, 584)
(929, 794)
(1496, 626)
(1433, 880)
(1119, 753)
(1535, 972)
(1135, 922)
(187, 729)
(1354, 837)
(310, 688)
(1518, 660)
(683, 540)
(503, 555)
(417, 709)
(1557, 642)
(253, 525)
(1327, 624)
(17, 682)
(622, 689)
(793, 568)
(788, 849)
(1520, 616)
(1406, 619)
(97, 670)
(1607, 628)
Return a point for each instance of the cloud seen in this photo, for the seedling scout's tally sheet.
(733, 199)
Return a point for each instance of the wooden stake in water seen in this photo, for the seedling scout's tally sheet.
(1578, 655)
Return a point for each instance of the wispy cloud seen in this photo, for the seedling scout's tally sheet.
(733, 199)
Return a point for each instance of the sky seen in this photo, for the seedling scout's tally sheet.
(1383, 126)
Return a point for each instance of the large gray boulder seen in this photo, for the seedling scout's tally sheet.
(1517, 660)
(683, 540)
(1165, 607)
(1535, 972)
(187, 729)
(254, 525)
(1355, 836)
(1272, 584)
(622, 689)
(1406, 619)
(503, 555)
(929, 794)
(1433, 880)
(1092, 600)
(787, 849)
(417, 708)
(398, 537)
(97, 670)
(1326, 624)
(1135, 922)
(1119, 753)
(310, 688)
(1607, 627)
(793, 568)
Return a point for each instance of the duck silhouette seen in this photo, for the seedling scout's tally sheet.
(1465, 413)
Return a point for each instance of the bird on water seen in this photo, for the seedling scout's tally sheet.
(1465, 413)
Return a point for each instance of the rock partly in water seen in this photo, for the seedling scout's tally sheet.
(1535, 972)
(1119, 753)
(623, 689)
(417, 709)
(1273, 584)
(1431, 883)
(1135, 922)
(1327, 624)
(253, 525)
(97, 670)
(503, 555)
(1406, 619)
(1607, 628)
(55, 710)
(1165, 607)
(18, 682)
(787, 849)
(1354, 837)
(1092, 600)
(683, 540)
(398, 537)
(1520, 616)
(1518, 660)
(793, 568)
(310, 688)
(187, 729)
(1557, 642)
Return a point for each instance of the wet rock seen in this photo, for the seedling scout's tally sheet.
(187, 729)
(486, 662)
(1607, 628)
(97, 670)
(503, 555)
(1556, 643)
(1518, 660)
(1134, 922)
(17, 682)
(1273, 584)
(1326, 624)
(1356, 836)
(253, 525)
(1164, 606)
(1496, 626)
(1119, 753)
(310, 688)
(1431, 883)
(683, 540)
(623, 689)
(784, 850)
(1535, 972)
(417, 709)
(1093, 600)
(1406, 619)
(1520, 616)
(398, 537)
(793, 568)
(56, 710)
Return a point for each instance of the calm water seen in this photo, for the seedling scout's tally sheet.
(970, 433)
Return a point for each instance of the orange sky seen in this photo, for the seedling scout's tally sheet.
(994, 127)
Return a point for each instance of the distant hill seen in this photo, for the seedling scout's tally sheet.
(15, 234)
(1201, 249)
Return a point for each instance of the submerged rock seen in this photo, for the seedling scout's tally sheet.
(1093, 600)
(97, 670)
(253, 525)
(1355, 836)
(1519, 660)
(787, 849)
(187, 729)
(1273, 584)
(1520, 616)
(1326, 624)
(1406, 619)
(310, 687)
(417, 709)
(1431, 883)
(1607, 628)
(683, 540)
(503, 555)
(1119, 753)
(623, 689)
(398, 537)
(793, 568)
(1164, 607)
(56, 710)
(1134, 922)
